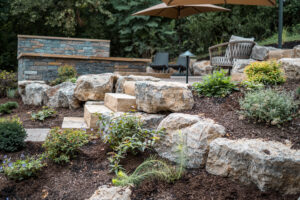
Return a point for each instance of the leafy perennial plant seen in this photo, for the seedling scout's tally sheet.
(23, 168)
(269, 106)
(62, 145)
(215, 85)
(125, 134)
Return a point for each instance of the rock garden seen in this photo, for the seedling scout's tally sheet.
(107, 136)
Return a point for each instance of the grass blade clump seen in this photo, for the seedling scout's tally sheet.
(155, 168)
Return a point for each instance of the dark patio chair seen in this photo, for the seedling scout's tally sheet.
(160, 61)
(180, 64)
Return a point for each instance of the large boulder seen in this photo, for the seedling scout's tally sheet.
(124, 79)
(240, 64)
(196, 133)
(202, 68)
(61, 96)
(153, 97)
(32, 92)
(280, 53)
(261, 53)
(291, 67)
(106, 192)
(270, 165)
(296, 53)
(94, 86)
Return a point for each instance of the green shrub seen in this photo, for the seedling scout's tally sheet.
(43, 114)
(154, 168)
(12, 134)
(8, 80)
(62, 145)
(7, 107)
(12, 93)
(65, 73)
(215, 85)
(22, 169)
(125, 134)
(269, 106)
(252, 86)
(267, 73)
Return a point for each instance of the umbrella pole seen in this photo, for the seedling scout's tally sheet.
(280, 27)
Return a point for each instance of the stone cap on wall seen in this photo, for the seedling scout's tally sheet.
(61, 38)
(84, 57)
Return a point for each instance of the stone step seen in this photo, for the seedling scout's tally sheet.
(90, 114)
(74, 122)
(119, 102)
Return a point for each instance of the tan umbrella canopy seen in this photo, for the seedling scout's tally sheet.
(239, 2)
(176, 12)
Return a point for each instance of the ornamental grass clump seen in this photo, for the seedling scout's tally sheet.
(267, 73)
(125, 134)
(270, 106)
(23, 168)
(215, 85)
(155, 168)
(62, 145)
(12, 134)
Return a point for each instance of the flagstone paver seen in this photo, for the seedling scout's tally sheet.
(37, 135)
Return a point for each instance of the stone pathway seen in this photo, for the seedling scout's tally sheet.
(74, 122)
(37, 135)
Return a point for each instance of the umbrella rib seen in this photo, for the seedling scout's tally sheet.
(170, 2)
(272, 2)
(160, 11)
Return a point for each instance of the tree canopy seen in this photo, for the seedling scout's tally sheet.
(133, 36)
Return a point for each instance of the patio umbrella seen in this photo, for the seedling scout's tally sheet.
(176, 12)
(240, 2)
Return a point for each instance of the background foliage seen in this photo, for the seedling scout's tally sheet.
(134, 36)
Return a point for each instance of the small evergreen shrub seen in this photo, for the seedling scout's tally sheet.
(12, 134)
(62, 145)
(215, 85)
(43, 114)
(23, 168)
(125, 134)
(65, 73)
(269, 106)
(8, 80)
(7, 107)
(267, 73)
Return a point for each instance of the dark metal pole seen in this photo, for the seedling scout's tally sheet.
(280, 27)
(187, 68)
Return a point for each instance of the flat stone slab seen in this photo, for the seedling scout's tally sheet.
(94, 103)
(37, 135)
(74, 122)
(90, 114)
(119, 102)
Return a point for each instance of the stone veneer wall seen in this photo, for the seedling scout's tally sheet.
(39, 57)
(36, 67)
(63, 46)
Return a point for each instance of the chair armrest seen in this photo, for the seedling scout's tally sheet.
(218, 46)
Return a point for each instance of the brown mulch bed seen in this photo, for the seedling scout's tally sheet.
(90, 169)
(24, 112)
(80, 179)
(225, 112)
